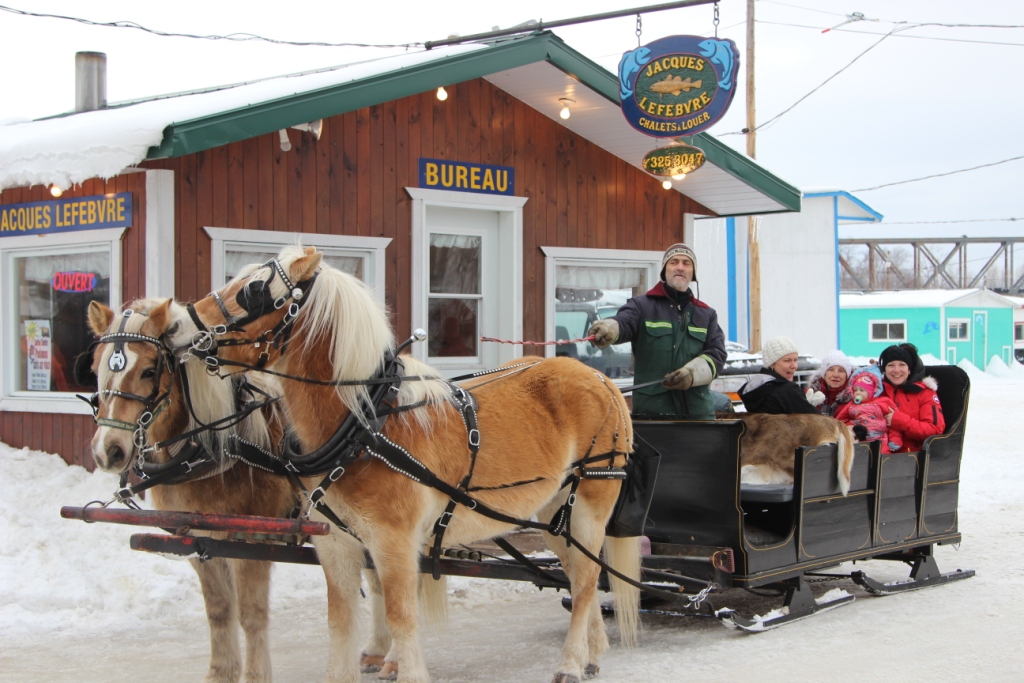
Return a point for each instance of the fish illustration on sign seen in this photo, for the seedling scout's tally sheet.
(719, 52)
(673, 85)
(630, 64)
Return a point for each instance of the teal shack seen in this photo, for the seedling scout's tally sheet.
(949, 324)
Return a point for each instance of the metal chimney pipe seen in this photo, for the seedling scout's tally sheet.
(90, 81)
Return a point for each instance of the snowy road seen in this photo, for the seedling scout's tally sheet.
(77, 605)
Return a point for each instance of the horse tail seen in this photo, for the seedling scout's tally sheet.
(845, 448)
(623, 555)
(434, 599)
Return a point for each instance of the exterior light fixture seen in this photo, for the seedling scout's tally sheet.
(442, 94)
(55, 190)
(667, 184)
(565, 113)
(286, 144)
(678, 176)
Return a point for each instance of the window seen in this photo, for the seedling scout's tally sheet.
(46, 295)
(585, 285)
(1018, 332)
(959, 330)
(888, 330)
(361, 257)
(467, 265)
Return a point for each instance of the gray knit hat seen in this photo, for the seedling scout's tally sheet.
(678, 249)
(775, 348)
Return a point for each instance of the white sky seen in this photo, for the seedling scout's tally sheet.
(911, 107)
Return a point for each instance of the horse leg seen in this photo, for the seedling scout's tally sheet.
(218, 588)
(341, 557)
(252, 581)
(379, 641)
(396, 556)
(586, 638)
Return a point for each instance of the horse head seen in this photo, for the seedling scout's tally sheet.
(136, 403)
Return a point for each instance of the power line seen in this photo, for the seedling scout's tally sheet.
(232, 37)
(938, 175)
(962, 220)
(900, 35)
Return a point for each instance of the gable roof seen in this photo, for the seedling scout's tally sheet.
(924, 298)
(849, 209)
(536, 69)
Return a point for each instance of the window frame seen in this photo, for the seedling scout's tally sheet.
(887, 322)
(510, 268)
(47, 401)
(966, 322)
(578, 256)
(371, 249)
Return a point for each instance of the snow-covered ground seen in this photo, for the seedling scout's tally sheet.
(76, 604)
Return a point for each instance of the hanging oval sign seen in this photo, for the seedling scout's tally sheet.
(679, 85)
(674, 160)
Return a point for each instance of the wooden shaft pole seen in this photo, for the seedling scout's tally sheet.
(753, 248)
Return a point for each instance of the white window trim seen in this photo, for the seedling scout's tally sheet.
(50, 401)
(1018, 326)
(555, 256)
(951, 321)
(511, 264)
(872, 323)
(375, 245)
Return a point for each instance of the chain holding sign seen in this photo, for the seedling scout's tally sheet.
(678, 85)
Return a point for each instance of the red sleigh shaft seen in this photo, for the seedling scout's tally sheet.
(245, 524)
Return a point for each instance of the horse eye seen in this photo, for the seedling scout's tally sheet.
(173, 329)
(149, 373)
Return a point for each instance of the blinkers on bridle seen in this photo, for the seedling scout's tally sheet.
(257, 301)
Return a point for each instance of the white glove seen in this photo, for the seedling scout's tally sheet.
(815, 398)
(605, 332)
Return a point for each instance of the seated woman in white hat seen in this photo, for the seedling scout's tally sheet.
(773, 390)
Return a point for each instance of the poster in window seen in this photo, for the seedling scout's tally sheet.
(37, 334)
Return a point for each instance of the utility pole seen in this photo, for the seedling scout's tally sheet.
(753, 249)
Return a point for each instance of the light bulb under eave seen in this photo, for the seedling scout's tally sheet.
(442, 94)
(667, 184)
(56, 191)
(678, 176)
(565, 113)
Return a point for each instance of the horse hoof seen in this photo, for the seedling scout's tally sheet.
(591, 670)
(388, 672)
(565, 678)
(369, 664)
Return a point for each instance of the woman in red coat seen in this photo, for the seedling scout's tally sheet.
(918, 413)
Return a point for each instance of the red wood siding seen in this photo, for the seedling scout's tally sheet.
(352, 180)
(69, 435)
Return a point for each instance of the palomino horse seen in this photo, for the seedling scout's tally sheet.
(234, 590)
(137, 375)
(538, 423)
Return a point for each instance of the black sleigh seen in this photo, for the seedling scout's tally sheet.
(703, 524)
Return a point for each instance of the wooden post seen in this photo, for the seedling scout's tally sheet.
(753, 249)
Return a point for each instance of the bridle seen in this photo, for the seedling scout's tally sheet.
(152, 404)
(257, 301)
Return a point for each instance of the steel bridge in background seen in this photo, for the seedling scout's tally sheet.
(925, 260)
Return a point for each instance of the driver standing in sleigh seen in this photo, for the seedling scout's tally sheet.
(675, 338)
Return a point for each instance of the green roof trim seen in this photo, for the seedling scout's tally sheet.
(207, 132)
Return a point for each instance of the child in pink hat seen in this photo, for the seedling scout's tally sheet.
(868, 409)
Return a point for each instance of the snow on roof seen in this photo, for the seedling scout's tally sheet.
(910, 298)
(101, 144)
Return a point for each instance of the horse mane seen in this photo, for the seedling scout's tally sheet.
(342, 309)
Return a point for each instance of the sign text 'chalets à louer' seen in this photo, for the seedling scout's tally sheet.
(439, 174)
(66, 215)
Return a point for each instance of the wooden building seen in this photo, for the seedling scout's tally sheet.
(483, 213)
